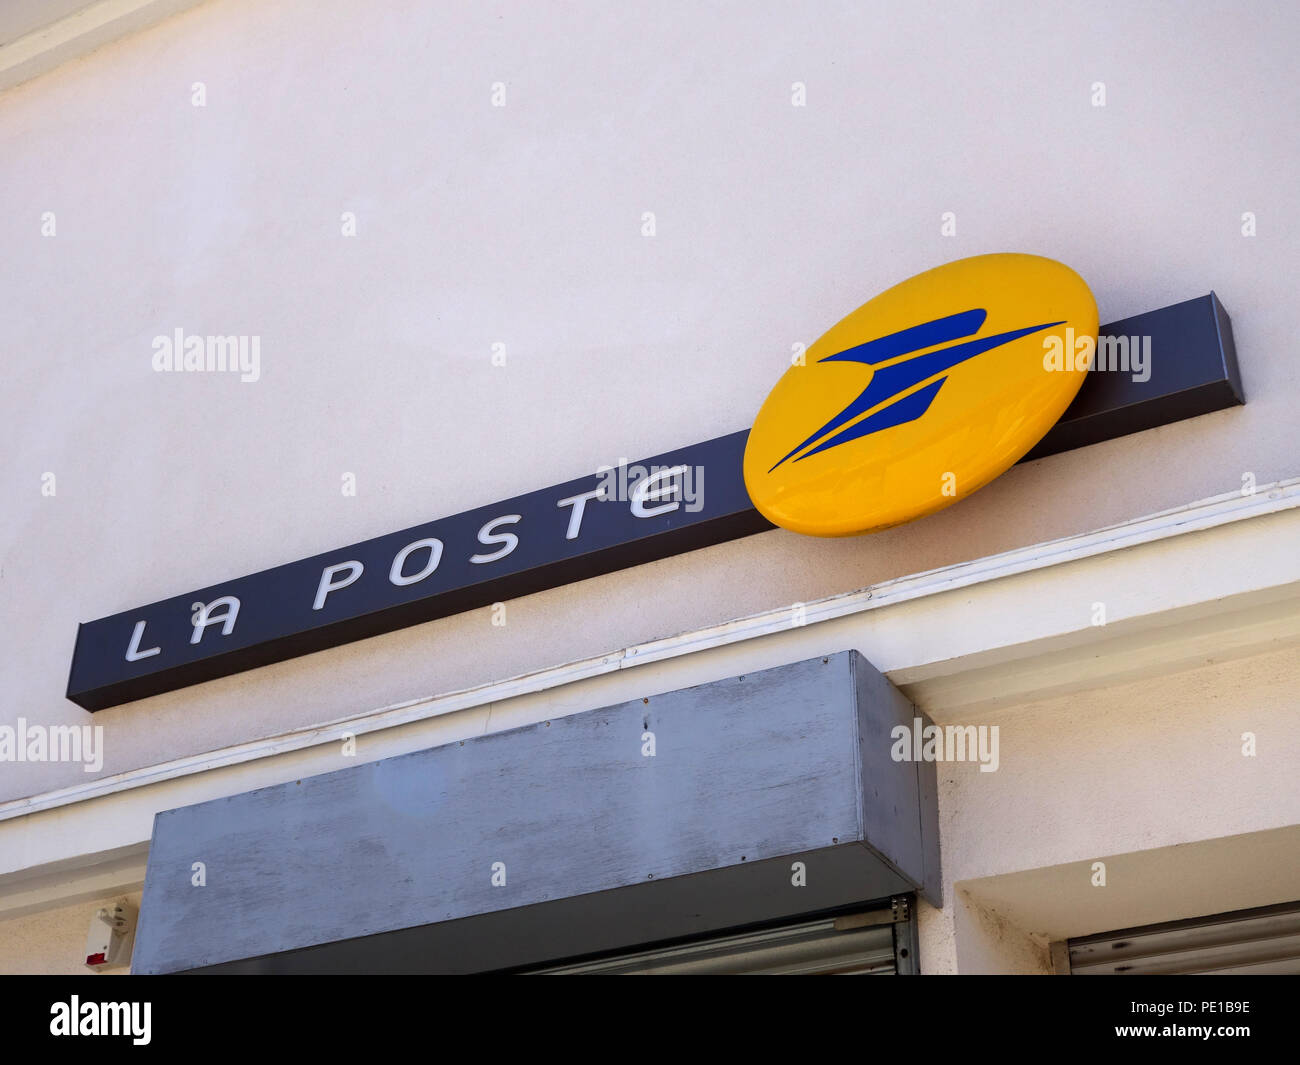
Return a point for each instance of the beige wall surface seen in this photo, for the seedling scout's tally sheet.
(522, 225)
(53, 941)
(1149, 778)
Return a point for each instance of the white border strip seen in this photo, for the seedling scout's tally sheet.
(1192, 517)
(78, 33)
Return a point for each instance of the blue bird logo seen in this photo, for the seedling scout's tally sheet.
(897, 378)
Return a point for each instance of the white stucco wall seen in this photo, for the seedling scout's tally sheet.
(522, 225)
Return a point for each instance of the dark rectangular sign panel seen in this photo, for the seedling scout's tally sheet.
(1186, 355)
(532, 542)
(676, 502)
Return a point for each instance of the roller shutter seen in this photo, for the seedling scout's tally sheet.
(878, 942)
(1247, 941)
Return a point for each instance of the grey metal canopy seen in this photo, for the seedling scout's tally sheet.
(767, 796)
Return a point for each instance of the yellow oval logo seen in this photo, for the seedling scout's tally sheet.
(922, 396)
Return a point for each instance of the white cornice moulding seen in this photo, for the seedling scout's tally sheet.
(1193, 517)
(78, 34)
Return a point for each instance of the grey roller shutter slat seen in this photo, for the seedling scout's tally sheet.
(1250, 941)
(812, 948)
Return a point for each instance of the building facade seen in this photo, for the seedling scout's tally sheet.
(455, 255)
